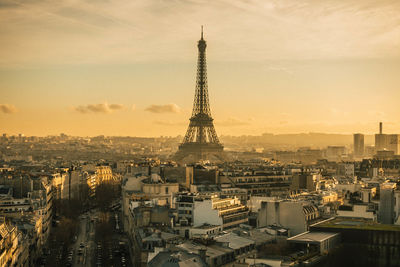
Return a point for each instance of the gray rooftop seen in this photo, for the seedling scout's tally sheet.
(235, 241)
(312, 237)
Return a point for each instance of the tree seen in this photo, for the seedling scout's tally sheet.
(105, 194)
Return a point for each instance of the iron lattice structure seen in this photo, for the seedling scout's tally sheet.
(201, 140)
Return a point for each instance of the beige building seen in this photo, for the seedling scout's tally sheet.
(104, 174)
(154, 188)
(8, 243)
(228, 212)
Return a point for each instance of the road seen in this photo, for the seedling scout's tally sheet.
(83, 247)
(95, 250)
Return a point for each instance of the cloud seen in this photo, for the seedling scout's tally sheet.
(98, 108)
(8, 108)
(168, 108)
(231, 122)
(101, 31)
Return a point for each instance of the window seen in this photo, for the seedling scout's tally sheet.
(166, 190)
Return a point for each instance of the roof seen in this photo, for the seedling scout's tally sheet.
(355, 223)
(260, 237)
(206, 226)
(235, 241)
(212, 251)
(172, 259)
(312, 237)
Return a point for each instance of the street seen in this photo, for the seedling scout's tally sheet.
(108, 246)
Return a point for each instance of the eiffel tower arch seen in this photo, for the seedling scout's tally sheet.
(201, 141)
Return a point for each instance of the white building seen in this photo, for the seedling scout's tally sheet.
(293, 215)
(357, 211)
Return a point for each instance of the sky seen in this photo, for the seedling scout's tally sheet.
(122, 67)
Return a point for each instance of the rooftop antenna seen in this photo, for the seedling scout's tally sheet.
(201, 32)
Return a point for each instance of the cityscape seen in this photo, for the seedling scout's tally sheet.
(268, 151)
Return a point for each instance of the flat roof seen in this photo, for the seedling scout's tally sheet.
(356, 223)
(235, 241)
(212, 251)
(308, 237)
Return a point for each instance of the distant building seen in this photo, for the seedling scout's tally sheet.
(104, 174)
(394, 143)
(380, 139)
(358, 145)
(335, 153)
(269, 184)
(306, 181)
(345, 170)
(387, 142)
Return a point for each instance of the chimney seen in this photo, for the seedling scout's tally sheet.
(380, 128)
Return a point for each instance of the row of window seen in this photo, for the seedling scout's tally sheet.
(185, 212)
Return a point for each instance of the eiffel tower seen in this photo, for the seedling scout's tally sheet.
(201, 140)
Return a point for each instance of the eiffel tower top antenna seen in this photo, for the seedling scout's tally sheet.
(201, 32)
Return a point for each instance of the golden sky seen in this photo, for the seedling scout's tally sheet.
(122, 67)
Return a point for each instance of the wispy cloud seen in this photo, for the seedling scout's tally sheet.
(82, 31)
(8, 108)
(98, 108)
(168, 108)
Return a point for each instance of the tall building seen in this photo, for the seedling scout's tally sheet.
(386, 203)
(201, 140)
(390, 142)
(394, 143)
(358, 145)
(380, 139)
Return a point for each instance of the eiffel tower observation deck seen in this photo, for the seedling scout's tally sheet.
(201, 140)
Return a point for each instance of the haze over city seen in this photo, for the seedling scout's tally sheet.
(128, 67)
